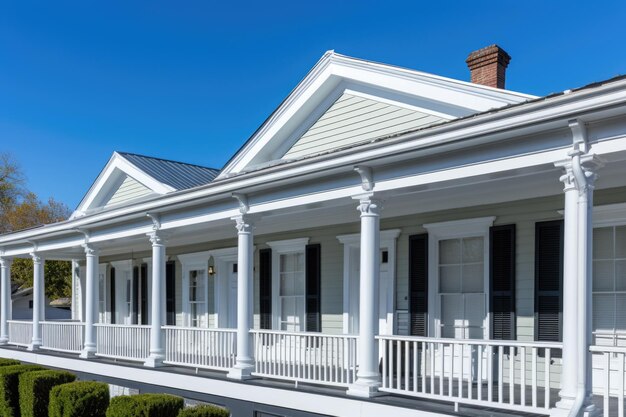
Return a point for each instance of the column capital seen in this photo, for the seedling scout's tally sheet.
(36, 257)
(5, 262)
(368, 204)
(244, 223)
(90, 250)
(579, 170)
(157, 237)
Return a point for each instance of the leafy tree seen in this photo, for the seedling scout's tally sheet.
(20, 209)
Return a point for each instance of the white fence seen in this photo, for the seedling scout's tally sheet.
(614, 387)
(501, 374)
(62, 336)
(200, 347)
(20, 332)
(120, 341)
(307, 357)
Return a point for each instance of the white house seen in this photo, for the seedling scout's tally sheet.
(384, 231)
(22, 307)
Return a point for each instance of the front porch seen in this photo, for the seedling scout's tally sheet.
(510, 376)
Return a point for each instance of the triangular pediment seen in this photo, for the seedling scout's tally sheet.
(345, 101)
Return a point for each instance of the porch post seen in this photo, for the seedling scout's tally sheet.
(368, 377)
(579, 178)
(91, 302)
(38, 294)
(244, 364)
(5, 299)
(157, 350)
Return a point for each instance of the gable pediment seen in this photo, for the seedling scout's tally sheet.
(330, 109)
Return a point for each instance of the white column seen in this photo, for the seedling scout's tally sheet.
(38, 294)
(368, 377)
(569, 380)
(91, 301)
(5, 299)
(157, 349)
(245, 361)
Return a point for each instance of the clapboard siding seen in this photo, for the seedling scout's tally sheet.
(353, 119)
(130, 189)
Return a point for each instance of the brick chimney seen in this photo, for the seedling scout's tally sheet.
(488, 66)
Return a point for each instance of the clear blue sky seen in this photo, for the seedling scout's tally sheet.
(191, 80)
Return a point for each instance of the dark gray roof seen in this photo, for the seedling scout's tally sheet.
(175, 174)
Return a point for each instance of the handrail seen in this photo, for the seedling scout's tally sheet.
(313, 334)
(504, 343)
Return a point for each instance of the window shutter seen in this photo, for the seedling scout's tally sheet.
(265, 288)
(144, 293)
(134, 314)
(502, 281)
(112, 288)
(548, 280)
(170, 293)
(418, 284)
(313, 288)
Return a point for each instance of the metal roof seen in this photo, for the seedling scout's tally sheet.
(178, 175)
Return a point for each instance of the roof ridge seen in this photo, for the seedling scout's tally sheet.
(166, 160)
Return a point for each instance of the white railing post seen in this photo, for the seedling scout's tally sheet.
(157, 349)
(5, 299)
(91, 302)
(38, 294)
(245, 357)
(368, 377)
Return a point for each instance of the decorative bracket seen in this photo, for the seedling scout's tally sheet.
(84, 233)
(156, 220)
(579, 136)
(242, 199)
(367, 177)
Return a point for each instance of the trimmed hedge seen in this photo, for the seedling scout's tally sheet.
(79, 399)
(204, 410)
(145, 405)
(9, 362)
(9, 393)
(34, 388)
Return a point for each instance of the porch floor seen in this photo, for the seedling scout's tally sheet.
(427, 405)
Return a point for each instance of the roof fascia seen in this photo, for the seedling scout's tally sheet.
(529, 116)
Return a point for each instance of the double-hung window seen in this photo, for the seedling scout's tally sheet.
(195, 286)
(197, 298)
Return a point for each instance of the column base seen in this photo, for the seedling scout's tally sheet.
(35, 346)
(565, 405)
(4, 341)
(154, 361)
(87, 353)
(241, 372)
(364, 389)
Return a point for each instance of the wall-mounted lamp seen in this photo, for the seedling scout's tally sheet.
(211, 270)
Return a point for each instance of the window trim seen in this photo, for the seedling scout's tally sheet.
(121, 268)
(194, 262)
(455, 229)
(284, 247)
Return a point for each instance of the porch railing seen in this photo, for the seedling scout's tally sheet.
(613, 366)
(502, 374)
(307, 357)
(62, 336)
(200, 347)
(20, 332)
(121, 341)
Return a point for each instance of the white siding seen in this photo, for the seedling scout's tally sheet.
(353, 119)
(130, 189)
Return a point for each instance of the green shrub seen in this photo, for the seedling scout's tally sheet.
(79, 399)
(145, 405)
(34, 388)
(9, 362)
(9, 393)
(205, 410)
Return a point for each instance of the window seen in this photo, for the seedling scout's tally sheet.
(128, 301)
(102, 294)
(292, 293)
(461, 287)
(197, 298)
(609, 279)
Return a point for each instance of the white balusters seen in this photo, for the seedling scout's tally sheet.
(311, 357)
(62, 336)
(613, 378)
(120, 341)
(20, 332)
(501, 374)
(200, 347)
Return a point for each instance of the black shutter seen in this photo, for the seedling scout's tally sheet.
(549, 281)
(134, 291)
(144, 293)
(265, 288)
(418, 285)
(112, 286)
(313, 288)
(170, 293)
(502, 281)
